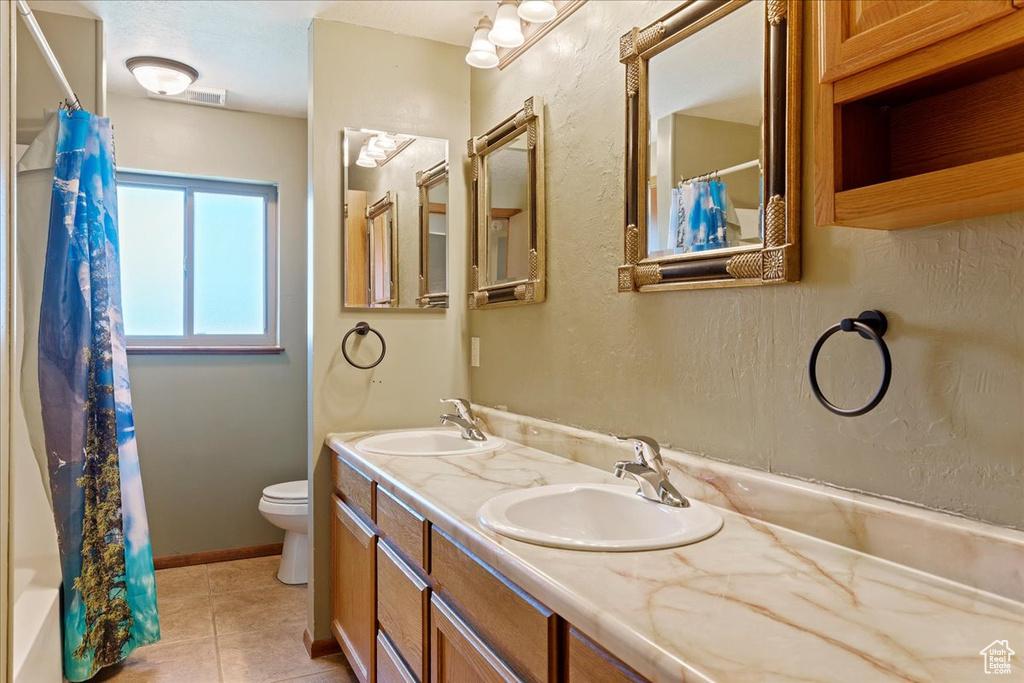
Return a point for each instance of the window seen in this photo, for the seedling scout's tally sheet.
(198, 262)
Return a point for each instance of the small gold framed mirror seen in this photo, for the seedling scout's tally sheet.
(507, 266)
(712, 173)
(433, 191)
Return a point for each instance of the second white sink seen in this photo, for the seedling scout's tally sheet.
(596, 517)
(427, 442)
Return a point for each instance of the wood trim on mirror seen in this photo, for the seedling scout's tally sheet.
(777, 259)
(529, 290)
(425, 181)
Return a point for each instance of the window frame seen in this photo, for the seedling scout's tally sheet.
(190, 341)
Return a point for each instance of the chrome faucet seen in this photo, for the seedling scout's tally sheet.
(470, 431)
(462, 407)
(648, 469)
(465, 420)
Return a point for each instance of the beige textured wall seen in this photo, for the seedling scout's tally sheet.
(723, 372)
(77, 42)
(214, 430)
(418, 87)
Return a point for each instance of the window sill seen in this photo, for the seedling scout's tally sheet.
(205, 350)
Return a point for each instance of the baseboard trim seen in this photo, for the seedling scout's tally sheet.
(319, 648)
(212, 556)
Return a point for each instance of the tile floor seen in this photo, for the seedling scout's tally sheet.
(230, 622)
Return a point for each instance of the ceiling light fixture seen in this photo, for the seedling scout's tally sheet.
(537, 11)
(507, 31)
(162, 76)
(482, 54)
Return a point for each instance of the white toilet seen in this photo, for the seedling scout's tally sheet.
(287, 506)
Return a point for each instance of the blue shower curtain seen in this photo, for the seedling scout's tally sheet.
(109, 591)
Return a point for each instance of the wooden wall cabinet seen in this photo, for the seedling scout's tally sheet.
(859, 34)
(411, 605)
(919, 114)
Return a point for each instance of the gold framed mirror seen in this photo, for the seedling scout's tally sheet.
(382, 264)
(712, 173)
(507, 266)
(433, 191)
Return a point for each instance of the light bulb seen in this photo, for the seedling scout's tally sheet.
(507, 31)
(373, 151)
(537, 11)
(482, 54)
(386, 143)
(365, 162)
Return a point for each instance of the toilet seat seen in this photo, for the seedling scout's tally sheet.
(287, 493)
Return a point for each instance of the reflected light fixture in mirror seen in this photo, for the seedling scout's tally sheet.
(482, 54)
(386, 143)
(373, 151)
(507, 31)
(363, 160)
(537, 11)
(162, 76)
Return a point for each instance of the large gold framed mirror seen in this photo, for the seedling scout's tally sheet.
(713, 147)
(433, 190)
(507, 265)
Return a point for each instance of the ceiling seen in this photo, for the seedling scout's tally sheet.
(700, 77)
(256, 50)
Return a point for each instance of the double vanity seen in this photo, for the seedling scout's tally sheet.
(519, 557)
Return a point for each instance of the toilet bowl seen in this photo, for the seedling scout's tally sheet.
(286, 506)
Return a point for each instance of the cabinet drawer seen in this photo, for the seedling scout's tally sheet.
(403, 606)
(457, 654)
(354, 487)
(390, 667)
(520, 630)
(588, 662)
(404, 528)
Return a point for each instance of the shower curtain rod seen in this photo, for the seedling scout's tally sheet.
(726, 171)
(51, 59)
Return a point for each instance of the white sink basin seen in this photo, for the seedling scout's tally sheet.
(427, 442)
(596, 517)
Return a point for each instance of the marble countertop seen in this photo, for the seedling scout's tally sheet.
(755, 602)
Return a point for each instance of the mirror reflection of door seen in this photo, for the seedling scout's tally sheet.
(705, 107)
(508, 202)
(356, 248)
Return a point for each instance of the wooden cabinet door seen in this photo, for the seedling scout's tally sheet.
(854, 35)
(588, 662)
(458, 655)
(354, 588)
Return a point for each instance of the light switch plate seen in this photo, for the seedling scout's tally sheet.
(474, 353)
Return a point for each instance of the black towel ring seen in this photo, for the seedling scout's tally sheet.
(362, 328)
(870, 325)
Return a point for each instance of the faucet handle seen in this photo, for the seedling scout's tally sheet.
(647, 450)
(461, 407)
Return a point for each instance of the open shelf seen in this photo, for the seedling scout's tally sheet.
(939, 143)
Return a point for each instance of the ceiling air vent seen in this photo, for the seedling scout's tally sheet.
(195, 94)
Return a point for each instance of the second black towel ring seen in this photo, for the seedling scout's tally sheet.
(870, 325)
(362, 329)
